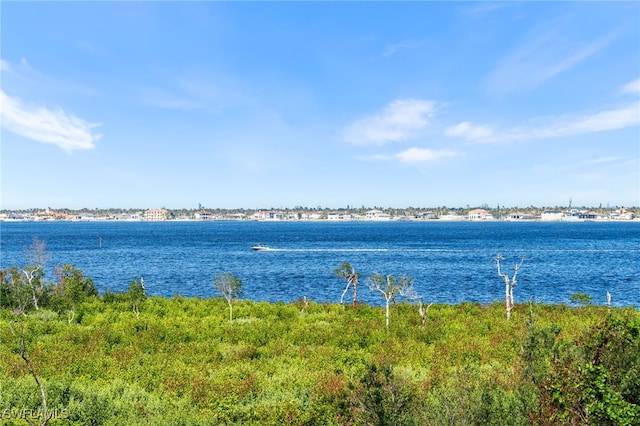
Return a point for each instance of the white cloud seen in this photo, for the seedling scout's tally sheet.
(419, 155)
(392, 49)
(397, 122)
(612, 119)
(571, 125)
(567, 125)
(43, 125)
(633, 87)
(540, 59)
(478, 11)
(469, 131)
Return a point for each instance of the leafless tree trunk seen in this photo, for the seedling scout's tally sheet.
(37, 252)
(509, 283)
(38, 256)
(347, 272)
(388, 286)
(230, 286)
(23, 354)
(30, 275)
(410, 293)
(423, 312)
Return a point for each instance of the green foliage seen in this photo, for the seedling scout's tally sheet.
(595, 380)
(72, 288)
(381, 398)
(581, 299)
(24, 289)
(136, 293)
(183, 362)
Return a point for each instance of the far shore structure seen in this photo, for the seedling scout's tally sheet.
(483, 214)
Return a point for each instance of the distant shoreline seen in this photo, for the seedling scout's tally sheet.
(101, 220)
(442, 214)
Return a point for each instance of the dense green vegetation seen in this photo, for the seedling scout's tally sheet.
(126, 359)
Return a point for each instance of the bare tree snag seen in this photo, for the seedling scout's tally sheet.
(231, 288)
(347, 272)
(30, 274)
(389, 286)
(43, 396)
(509, 283)
(423, 312)
(38, 256)
(411, 294)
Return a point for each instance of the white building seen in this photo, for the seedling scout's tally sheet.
(127, 217)
(338, 216)
(310, 215)
(260, 215)
(480, 214)
(514, 217)
(378, 215)
(452, 217)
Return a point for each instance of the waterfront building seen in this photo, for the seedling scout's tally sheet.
(155, 215)
(377, 215)
(480, 214)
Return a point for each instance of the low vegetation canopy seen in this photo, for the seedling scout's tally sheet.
(124, 358)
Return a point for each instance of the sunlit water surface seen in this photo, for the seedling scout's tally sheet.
(451, 262)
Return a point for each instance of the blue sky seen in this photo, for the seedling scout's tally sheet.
(285, 104)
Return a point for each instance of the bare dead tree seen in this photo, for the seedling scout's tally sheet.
(231, 288)
(389, 286)
(38, 256)
(43, 396)
(509, 283)
(37, 253)
(32, 274)
(423, 312)
(347, 272)
(411, 294)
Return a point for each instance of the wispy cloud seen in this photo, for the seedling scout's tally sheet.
(632, 88)
(421, 155)
(469, 131)
(572, 125)
(21, 74)
(478, 11)
(554, 127)
(392, 49)
(412, 155)
(48, 126)
(196, 88)
(541, 59)
(397, 122)
(162, 99)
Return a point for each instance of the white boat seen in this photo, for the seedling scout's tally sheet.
(260, 247)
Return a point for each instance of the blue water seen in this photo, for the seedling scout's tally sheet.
(451, 262)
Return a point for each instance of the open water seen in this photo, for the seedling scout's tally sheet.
(451, 262)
